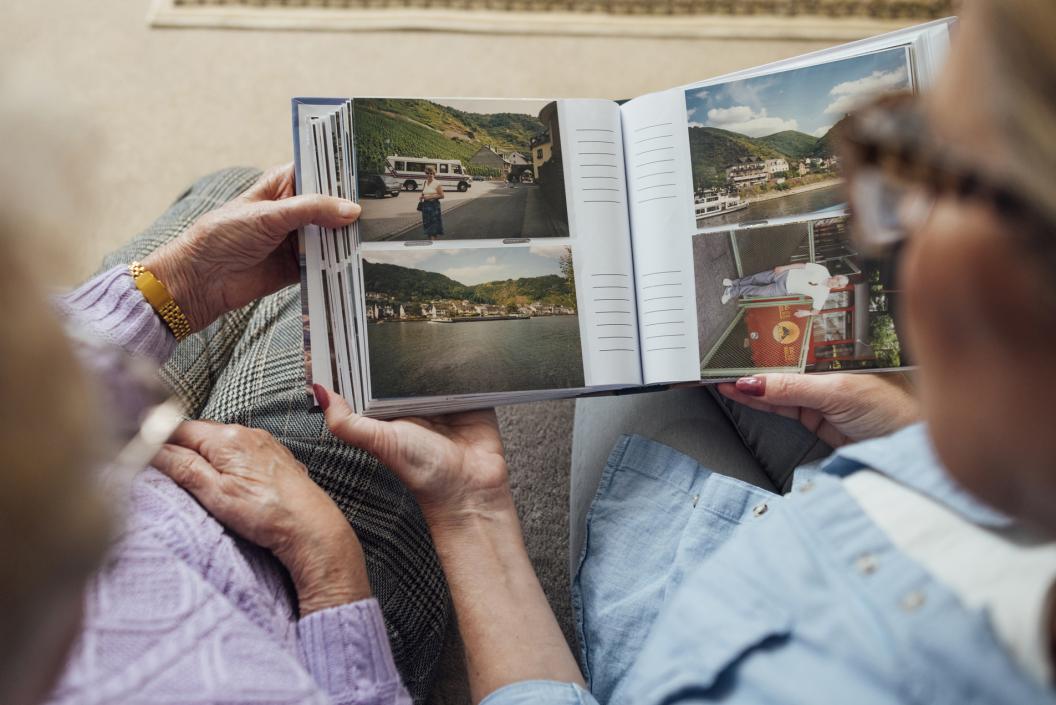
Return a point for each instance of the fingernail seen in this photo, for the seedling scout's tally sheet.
(348, 209)
(752, 386)
(321, 396)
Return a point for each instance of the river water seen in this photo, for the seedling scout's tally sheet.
(795, 204)
(418, 358)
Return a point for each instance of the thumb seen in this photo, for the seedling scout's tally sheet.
(371, 435)
(771, 392)
(811, 391)
(288, 214)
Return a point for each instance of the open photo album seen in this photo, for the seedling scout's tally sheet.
(516, 250)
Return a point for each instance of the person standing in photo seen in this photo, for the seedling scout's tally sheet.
(429, 205)
(805, 279)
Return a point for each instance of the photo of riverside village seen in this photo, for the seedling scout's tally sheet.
(764, 147)
(791, 298)
(458, 169)
(470, 321)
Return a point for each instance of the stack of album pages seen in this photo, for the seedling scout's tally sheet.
(518, 250)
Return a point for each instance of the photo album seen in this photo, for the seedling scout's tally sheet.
(515, 250)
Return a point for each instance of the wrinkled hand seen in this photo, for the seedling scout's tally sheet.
(245, 249)
(453, 464)
(253, 485)
(839, 408)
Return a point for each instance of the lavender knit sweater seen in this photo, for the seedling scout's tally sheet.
(183, 611)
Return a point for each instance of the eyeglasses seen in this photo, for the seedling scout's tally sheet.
(897, 169)
(137, 439)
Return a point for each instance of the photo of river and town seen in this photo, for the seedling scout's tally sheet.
(471, 321)
(765, 147)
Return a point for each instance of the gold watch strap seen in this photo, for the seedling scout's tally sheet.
(161, 300)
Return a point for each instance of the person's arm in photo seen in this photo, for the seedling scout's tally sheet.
(439, 192)
(455, 468)
(787, 267)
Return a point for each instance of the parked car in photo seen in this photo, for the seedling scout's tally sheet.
(378, 185)
(478, 177)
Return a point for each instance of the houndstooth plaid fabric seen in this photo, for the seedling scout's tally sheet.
(247, 368)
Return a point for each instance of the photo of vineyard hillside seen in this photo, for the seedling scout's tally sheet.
(496, 163)
(422, 128)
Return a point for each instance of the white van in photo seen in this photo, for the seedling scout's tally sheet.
(410, 171)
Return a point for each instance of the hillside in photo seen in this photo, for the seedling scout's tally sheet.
(421, 128)
(408, 285)
(712, 150)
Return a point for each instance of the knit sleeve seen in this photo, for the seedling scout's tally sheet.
(347, 651)
(111, 308)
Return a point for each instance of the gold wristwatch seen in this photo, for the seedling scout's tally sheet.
(161, 300)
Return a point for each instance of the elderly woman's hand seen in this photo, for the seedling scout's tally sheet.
(452, 464)
(245, 249)
(839, 408)
(255, 487)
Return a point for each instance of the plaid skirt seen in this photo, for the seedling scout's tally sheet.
(247, 368)
(432, 220)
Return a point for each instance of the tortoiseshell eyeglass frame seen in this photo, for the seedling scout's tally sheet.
(892, 135)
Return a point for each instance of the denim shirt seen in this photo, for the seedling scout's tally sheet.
(695, 587)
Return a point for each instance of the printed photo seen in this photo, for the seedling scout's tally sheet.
(458, 169)
(764, 147)
(792, 298)
(471, 321)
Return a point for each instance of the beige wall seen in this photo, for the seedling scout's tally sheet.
(170, 105)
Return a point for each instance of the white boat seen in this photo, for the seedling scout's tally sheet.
(713, 202)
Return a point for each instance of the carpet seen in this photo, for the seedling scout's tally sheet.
(834, 20)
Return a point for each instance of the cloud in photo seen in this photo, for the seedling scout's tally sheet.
(476, 265)
(851, 94)
(808, 99)
(742, 119)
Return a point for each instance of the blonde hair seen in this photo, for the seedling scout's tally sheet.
(1021, 35)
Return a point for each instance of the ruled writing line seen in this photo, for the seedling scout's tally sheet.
(657, 161)
(649, 127)
(647, 139)
(657, 149)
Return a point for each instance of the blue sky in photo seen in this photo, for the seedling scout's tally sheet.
(479, 264)
(809, 100)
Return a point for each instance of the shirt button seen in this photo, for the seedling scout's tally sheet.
(866, 564)
(760, 509)
(807, 486)
(912, 601)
